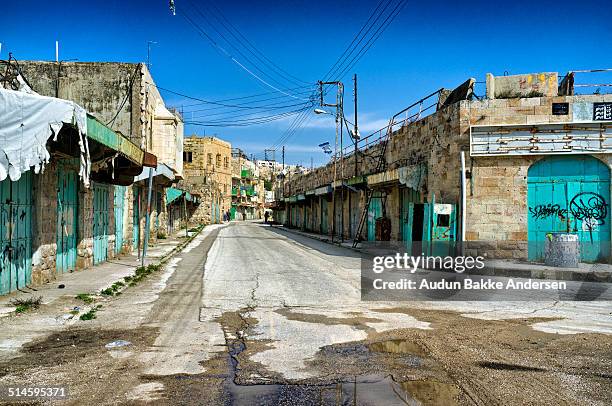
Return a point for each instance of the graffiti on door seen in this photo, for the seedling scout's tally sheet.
(569, 195)
(543, 211)
(589, 207)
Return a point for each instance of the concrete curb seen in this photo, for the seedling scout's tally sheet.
(537, 272)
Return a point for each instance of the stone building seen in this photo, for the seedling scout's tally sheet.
(60, 213)
(125, 98)
(536, 162)
(126, 121)
(208, 174)
(248, 188)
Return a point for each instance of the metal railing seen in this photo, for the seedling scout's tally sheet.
(425, 107)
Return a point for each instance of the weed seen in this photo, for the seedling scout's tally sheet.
(91, 314)
(85, 297)
(107, 292)
(24, 305)
(74, 312)
(127, 279)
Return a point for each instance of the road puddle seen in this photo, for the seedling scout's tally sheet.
(398, 347)
(429, 392)
(363, 390)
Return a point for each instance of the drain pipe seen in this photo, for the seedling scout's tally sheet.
(463, 201)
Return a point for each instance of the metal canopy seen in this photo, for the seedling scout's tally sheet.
(541, 139)
(117, 142)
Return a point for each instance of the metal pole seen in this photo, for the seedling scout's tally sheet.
(341, 114)
(148, 218)
(463, 201)
(138, 221)
(185, 214)
(333, 223)
(356, 128)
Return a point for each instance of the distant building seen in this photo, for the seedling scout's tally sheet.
(248, 192)
(208, 175)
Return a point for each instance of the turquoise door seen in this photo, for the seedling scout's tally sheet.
(118, 209)
(569, 194)
(100, 224)
(15, 233)
(67, 204)
(374, 212)
(136, 217)
(324, 217)
(409, 197)
(443, 229)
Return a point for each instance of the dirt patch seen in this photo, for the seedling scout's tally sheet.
(507, 361)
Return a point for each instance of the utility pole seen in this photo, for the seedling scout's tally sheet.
(283, 187)
(339, 138)
(356, 130)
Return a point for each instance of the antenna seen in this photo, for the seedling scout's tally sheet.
(149, 53)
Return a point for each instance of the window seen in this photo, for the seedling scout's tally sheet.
(209, 158)
(218, 160)
(188, 156)
(225, 162)
(443, 220)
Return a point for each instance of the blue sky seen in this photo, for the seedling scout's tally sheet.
(428, 46)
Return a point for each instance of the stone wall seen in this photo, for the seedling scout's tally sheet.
(100, 87)
(44, 225)
(208, 174)
(497, 186)
(497, 189)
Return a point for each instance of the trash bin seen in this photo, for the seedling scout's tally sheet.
(562, 250)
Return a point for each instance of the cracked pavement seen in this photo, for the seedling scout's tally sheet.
(247, 312)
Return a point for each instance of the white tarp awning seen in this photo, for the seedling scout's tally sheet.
(27, 122)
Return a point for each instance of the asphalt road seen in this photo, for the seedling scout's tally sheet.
(250, 314)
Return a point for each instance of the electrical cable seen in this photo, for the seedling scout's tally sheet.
(228, 55)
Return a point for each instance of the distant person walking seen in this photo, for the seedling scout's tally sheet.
(266, 215)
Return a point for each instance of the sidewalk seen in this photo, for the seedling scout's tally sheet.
(501, 267)
(96, 278)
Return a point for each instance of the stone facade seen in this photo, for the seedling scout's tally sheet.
(496, 190)
(124, 97)
(208, 174)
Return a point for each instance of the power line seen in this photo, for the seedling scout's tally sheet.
(283, 73)
(256, 95)
(231, 57)
(252, 105)
(394, 13)
(248, 122)
(326, 76)
(252, 113)
(224, 38)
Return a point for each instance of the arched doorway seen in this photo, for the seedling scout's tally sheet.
(569, 194)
